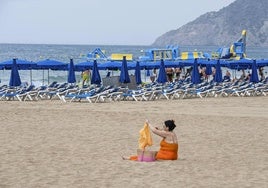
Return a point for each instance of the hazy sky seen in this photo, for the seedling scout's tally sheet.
(121, 22)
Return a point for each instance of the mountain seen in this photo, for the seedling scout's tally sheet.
(224, 26)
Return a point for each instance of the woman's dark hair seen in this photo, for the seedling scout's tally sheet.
(170, 124)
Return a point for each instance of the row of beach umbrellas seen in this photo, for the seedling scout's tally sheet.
(124, 66)
(131, 65)
(96, 78)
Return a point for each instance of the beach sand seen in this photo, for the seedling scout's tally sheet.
(222, 143)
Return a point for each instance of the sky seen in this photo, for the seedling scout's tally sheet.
(101, 22)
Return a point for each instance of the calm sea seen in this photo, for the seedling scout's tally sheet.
(38, 52)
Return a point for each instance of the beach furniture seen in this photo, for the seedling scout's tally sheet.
(16, 93)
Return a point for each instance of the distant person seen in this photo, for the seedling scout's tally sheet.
(243, 75)
(177, 73)
(170, 74)
(247, 78)
(108, 74)
(227, 76)
(85, 75)
(202, 73)
(213, 72)
(262, 77)
(188, 72)
(153, 75)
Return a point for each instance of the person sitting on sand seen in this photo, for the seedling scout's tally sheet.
(169, 144)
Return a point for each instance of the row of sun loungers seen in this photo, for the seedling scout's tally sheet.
(177, 90)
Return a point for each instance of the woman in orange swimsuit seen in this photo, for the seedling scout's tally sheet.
(169, 144)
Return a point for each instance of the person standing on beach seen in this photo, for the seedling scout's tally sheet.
(178, 73)
(153, 76)
(262, 77)
(85, 77)
(170, 73)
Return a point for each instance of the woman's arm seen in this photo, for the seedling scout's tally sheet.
(157, 131)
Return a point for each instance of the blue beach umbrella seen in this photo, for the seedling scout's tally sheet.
(51, 64)
(254, 74)
(83, 66)
(71, 73)
(208, 69)
(162, 76)
(195, 77)
(110, 65)
(96, 78)
(262, 62)
(124, 76)
(138, 73)
(148, 72)
(21, 64)
(14, 76)
(218, 75)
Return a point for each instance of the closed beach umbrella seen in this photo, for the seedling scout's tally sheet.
(162, 76)
(254, 74)
(218, 75)
(148, 72)
(208, 69)
(96, 78)
(14, 76)
(71, 73)
(195, 77)
(138, 73)
(124, 76)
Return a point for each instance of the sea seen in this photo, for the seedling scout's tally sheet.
(63, 53)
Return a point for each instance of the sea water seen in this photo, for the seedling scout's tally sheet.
(63, 53)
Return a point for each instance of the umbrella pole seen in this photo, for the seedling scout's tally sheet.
(235, 74)
(43, 76)
(47, 76)
(31, 79)
(145, 75)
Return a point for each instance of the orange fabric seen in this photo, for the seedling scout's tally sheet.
(133, 158)
(145, 137)
(168, 151)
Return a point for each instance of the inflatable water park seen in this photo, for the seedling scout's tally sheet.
(172, 53)
(232, 57)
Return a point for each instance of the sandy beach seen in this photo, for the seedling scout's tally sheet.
(222, 143)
